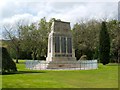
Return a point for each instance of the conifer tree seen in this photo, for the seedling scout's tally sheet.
(104, 45)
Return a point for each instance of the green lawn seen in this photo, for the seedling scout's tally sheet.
(104, 77)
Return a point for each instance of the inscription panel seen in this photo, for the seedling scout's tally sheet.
(69, 45)
(63, 44)
(57, 44)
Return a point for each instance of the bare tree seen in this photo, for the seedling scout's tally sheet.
(13, 34)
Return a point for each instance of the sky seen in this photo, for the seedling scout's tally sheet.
(11, 11)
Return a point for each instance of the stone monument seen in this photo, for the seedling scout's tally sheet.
(60, 51)
(60, 44)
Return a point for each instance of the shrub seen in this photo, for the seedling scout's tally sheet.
(8, 65)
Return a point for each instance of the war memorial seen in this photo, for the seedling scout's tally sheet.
(60, 51)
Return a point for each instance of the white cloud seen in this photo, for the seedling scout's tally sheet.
(65, 10)
(86, 10)
(32, 10)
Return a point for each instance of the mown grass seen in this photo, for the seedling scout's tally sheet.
(104, 77)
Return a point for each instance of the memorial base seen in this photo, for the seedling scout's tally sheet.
(63, 65)
(62, 62)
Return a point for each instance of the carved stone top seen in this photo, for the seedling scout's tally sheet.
(60, 26)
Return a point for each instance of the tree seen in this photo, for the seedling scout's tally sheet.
(13, 34)
(118, 42)
(30, 39)
(35, 38)
(104, 44)
(85, 38)
(114, 29)
(8, 64)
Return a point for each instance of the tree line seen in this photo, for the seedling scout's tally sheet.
(30, 41)
(86, 39)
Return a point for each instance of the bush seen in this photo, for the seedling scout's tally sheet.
(8, 65)
(78, 54)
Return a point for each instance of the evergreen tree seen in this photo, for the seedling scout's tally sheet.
(104, 45)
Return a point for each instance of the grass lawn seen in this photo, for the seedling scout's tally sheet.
(104, 77)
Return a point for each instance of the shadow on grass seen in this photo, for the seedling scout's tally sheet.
(23, 72)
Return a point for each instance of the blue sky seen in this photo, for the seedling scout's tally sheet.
(11, 11)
